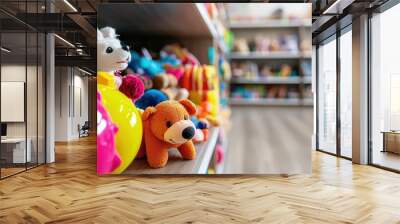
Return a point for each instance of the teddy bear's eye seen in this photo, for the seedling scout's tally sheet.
(186, 117)
(169, 124)
(109, 50)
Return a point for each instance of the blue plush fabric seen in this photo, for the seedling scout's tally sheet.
(151, 98)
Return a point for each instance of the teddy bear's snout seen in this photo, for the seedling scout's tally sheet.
(180, 132)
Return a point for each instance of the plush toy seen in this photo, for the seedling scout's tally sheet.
(176, 71)
(169, 60)
(145, 65)
(167, 125)
(151, 98)
(219, 154)
(204, 112)
(201, 129)
(182, 53)
(111, 55)
(111, 58)
(132, 86)
(108, 158)
(168, 84)
(161, 81)
(148, 84)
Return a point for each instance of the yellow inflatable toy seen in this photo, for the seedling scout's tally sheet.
(127, 118)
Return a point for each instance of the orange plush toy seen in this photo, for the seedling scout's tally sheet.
(168, 125)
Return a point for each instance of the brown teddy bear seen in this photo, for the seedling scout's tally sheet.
(168, 125)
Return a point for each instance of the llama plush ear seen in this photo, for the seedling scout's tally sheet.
(108, 32)
(148, 112)
(100, 36)
(189, 106)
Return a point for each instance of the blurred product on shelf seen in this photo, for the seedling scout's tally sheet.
(308, 92)
(305, 45)
(263, 44)
(271, 59)
(251, 70)
(260, 91)
(244, 69)
(306, 67)
(263, 13)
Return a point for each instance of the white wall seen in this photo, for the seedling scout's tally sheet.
(71, 93)
(33, 126)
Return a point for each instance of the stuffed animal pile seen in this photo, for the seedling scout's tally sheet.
(149, 105)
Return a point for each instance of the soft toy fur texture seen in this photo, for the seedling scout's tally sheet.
(168, 84)
(111, 55)
(168, 125)
(132, 86)
(151, 97)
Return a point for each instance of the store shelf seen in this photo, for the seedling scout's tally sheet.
(266, 55)
(266, 102)
(158, 19)
(271, 24)
(272, 80)
(175, 163)
(308, 102)
(307, 79)
(267, 80)
(306, 54)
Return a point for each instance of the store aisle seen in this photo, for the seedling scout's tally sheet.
(268, 140)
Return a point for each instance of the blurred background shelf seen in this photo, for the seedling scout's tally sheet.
(265, 102)
(271, 24)
(270, 102)
(272, 80)
(266, 55)
(308, 102)
(270, 57)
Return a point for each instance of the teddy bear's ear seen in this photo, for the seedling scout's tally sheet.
(148, 112)
(100, 36)
(108, 32)
(189, 106)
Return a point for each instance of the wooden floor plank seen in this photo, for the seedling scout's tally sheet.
(69, 191)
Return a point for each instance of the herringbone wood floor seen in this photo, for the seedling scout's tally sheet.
(69, 191)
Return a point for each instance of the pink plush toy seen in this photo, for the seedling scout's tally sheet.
(177, 72)
(108, 158)
(219, 153)
(132, 86)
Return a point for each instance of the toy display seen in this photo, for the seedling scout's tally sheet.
(132, 86)
(117, 97)
(183, 54)
(108, 158)
(168, 84)
(264, 44)
(201, 129)
(145, 65)
(167, 125)
(111, 56)
(151, 98)
(127, 118)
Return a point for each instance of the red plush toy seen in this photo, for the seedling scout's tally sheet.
(132, 86)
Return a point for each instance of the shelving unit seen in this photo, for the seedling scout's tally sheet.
(263, 55)
(299, 27)
(269, 80)
(175, 163)
(153, 26)
(271, 24)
